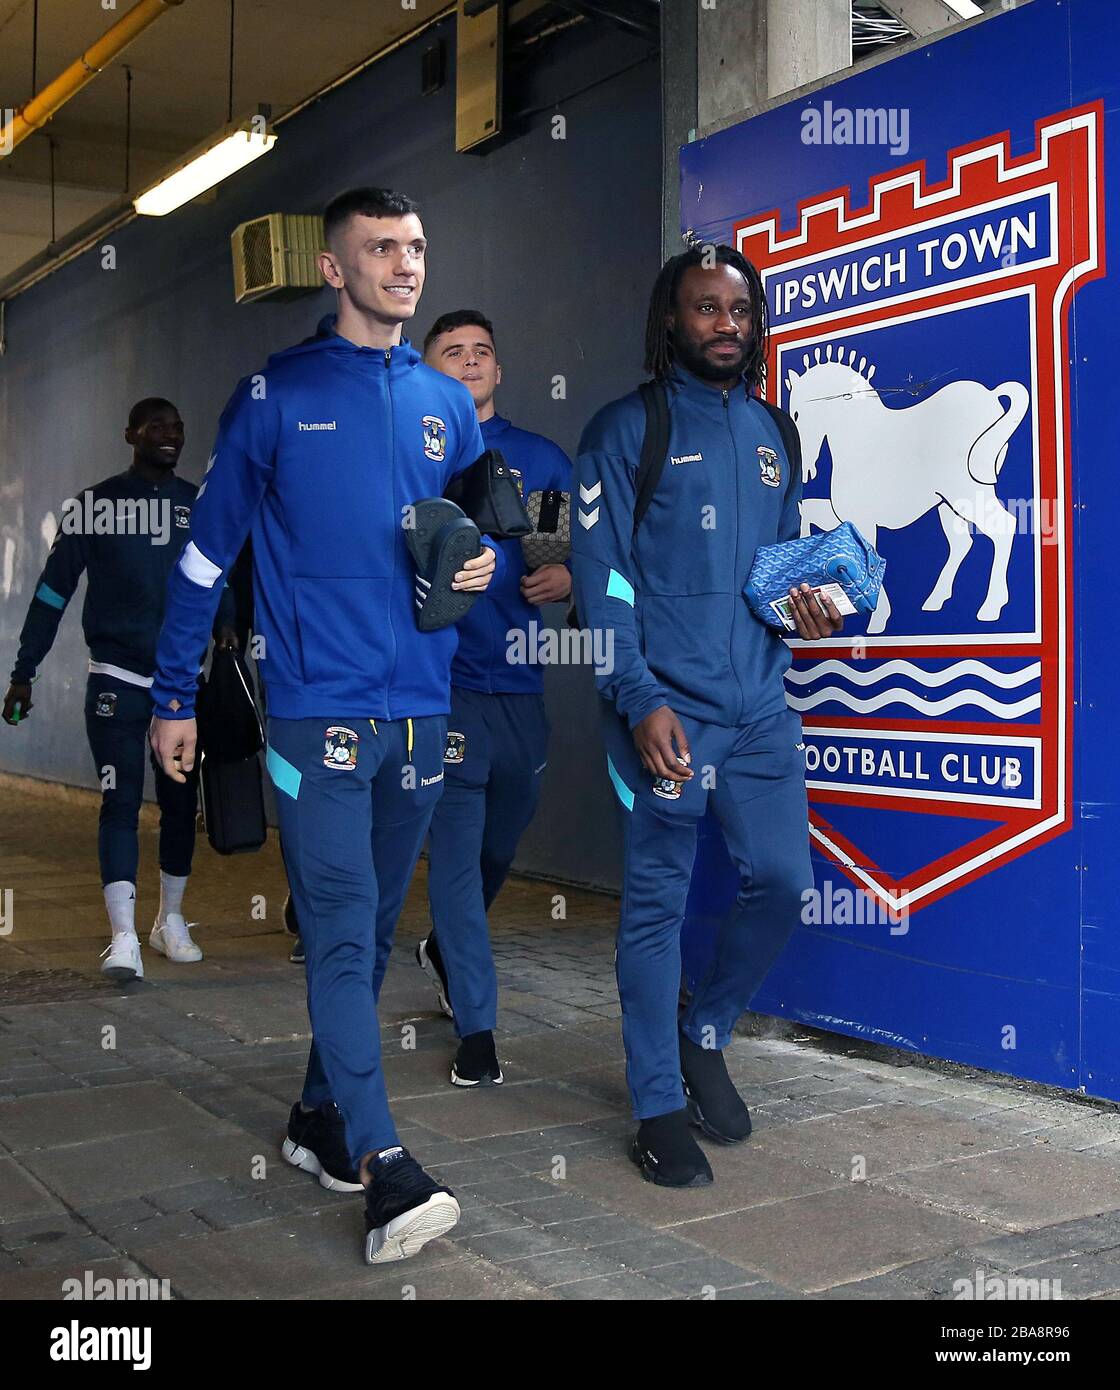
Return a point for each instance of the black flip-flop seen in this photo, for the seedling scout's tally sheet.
(440, 541)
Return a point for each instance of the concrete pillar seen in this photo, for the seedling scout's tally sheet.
(678, 109)
(724, 58)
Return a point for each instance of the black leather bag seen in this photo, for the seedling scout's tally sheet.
(487, 493)
(229, 727)
(233, 805)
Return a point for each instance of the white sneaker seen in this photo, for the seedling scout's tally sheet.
(172, 938)
(121, 958)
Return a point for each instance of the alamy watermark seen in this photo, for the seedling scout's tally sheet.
(851, 907)
(537, 645)
(154, 517)
(862, 125)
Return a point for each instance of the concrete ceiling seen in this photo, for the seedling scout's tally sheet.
(284, 51)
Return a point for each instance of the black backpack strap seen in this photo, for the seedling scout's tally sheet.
(788, 430)
(655, 445)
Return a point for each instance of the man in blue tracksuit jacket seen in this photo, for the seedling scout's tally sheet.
(695, 707)
(323, 455)
(125, 533)
(497, 740)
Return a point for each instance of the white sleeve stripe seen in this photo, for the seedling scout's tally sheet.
(198, 569)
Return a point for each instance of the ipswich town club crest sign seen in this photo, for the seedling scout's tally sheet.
(921, 344)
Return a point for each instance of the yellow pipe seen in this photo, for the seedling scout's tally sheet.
(38, 111)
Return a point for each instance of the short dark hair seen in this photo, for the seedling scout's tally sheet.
(659, 338)
(458, 318)
(364, 202)
(143, 411)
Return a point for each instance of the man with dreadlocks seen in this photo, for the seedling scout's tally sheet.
(694, 709)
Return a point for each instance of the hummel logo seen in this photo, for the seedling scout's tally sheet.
(686, 458)
(589, 494)
(318, 424)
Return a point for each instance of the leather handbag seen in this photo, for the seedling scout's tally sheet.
(487, 493)
(550, 542)
(840, 559)
(229, 725)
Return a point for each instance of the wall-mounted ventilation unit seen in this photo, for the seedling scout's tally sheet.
(274, 256)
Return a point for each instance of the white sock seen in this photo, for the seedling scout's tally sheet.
(171, 890)
(120, 900)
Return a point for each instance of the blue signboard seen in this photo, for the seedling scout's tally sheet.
(932, 237)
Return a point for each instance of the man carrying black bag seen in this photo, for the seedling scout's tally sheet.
(328, 455)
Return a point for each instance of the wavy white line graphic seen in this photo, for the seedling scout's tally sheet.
(898, 696)
(859, 675)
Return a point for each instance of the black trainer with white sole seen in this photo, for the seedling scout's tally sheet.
(430, 961)
(441, 540)
(405, 1208)
(316, 1143)
(667, 1154)
(476, 1062)
(715, 1107)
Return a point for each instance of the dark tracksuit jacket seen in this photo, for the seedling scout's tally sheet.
(671, 598)
(127, 575)
(496, 755)
(126, 534)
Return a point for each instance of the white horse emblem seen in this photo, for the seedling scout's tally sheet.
(890, 467)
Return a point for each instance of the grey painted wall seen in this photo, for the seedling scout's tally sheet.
(557, 240)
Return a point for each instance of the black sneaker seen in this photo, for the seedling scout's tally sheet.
(430, 961)
(291, 921)
(441, 540)
(668, 1155)
(476, 1062)
(405, 1208)
(316, 1143)
(296, 955)
(714, 1105)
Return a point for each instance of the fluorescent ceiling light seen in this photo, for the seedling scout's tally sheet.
(224, 154)
(965, 8)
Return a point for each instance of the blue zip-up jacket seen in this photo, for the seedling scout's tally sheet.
(126, 534)
(321, 454)
(480, 662)
(671, 597)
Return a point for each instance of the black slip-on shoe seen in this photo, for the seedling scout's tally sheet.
(440, 540)
(430, 961)
(667, 1154)
(476, 1062)
(714, 1105)
(405, 1208)
(296, 955)
(316, 1143)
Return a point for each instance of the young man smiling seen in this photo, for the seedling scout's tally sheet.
(695, 708)
(323, 454)
(498, 732)
(125, 534)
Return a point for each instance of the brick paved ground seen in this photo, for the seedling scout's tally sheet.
(143, 1158)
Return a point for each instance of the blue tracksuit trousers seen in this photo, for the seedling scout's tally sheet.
(755, 779)
(117, 718)
(354, 801)
(497, 747)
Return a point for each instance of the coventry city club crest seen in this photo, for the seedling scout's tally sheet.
(769, 466)
(456, 749)
(435, 437)
(106, 705)
(183, 518)
(341, 748)
(921, 344)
